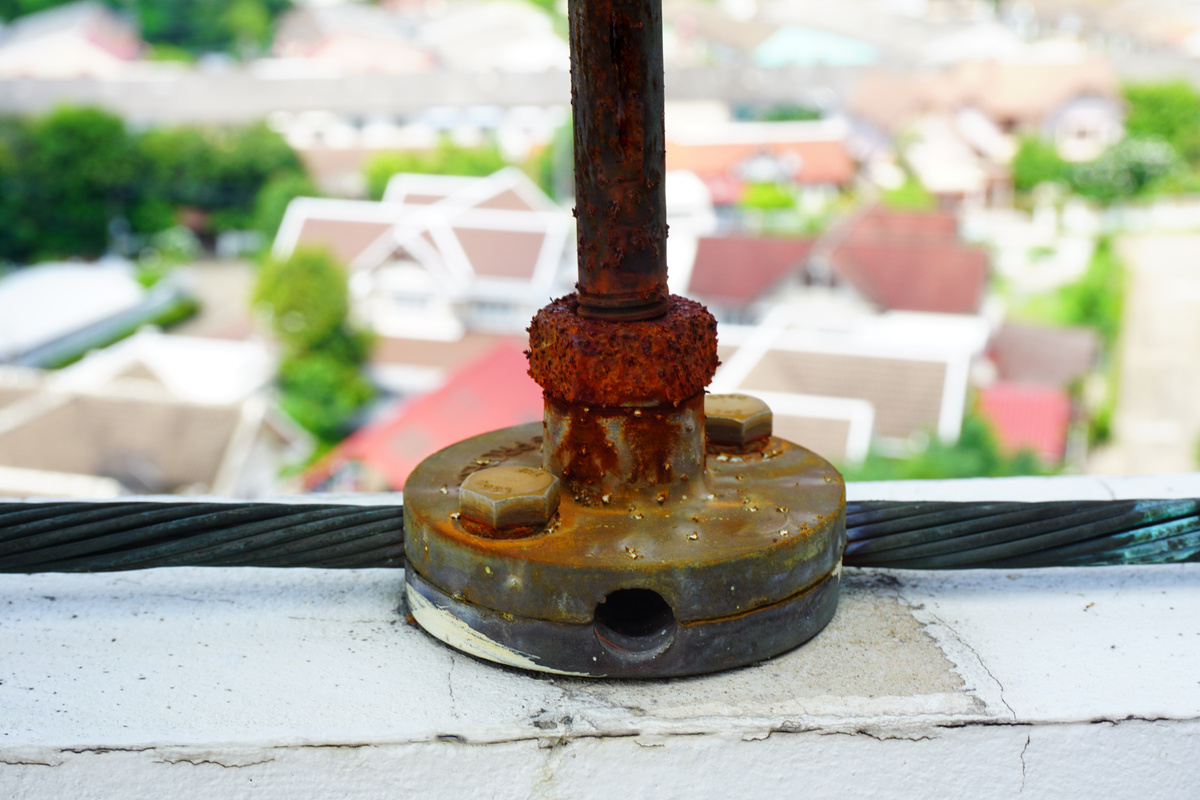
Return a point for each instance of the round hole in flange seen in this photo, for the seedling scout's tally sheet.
(635, 620)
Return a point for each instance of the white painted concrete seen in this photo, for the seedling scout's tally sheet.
(307, 683)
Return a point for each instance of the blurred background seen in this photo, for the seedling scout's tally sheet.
(255, 247)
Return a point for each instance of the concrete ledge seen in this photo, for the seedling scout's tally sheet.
(284, 683)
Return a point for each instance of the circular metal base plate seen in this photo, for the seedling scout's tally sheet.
(590, 650)
(700, 576)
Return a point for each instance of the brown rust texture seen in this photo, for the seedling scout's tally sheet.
(664, 360)
(610, 454)
(620, 157)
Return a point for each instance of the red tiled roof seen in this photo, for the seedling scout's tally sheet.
(881, 222)
(738, 269)
(1027, 417)
(493, 391)
(904, 261)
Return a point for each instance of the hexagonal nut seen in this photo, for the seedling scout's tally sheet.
(509, 497)
(736, 420)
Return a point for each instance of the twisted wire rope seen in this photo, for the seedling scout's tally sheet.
(124, 535)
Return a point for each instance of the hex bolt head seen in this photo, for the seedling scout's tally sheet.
(509, 497)
(736, 420)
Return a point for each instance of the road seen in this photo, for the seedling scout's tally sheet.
(1157, 423)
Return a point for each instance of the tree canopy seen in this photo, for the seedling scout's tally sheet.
(194, 26)
(445, 159)
(67, 177)
(306, 302)
(1167, 111)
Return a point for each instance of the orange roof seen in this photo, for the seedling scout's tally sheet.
(492, 391)
(820, 161)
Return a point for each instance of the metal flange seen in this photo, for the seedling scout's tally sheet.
(737, 565)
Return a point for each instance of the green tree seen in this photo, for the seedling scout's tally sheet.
(274, 197)
(217, 171)
(305, 299)
(79, 173)
(248, 23)
(1036, 162)
(200, 26)
(445, 159)
(1168, 111)
(1129, 168)
(17, 235)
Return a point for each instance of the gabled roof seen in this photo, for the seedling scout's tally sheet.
(906, 393)
(1023, 92)
(1035, 354)
(493, 391)
(1028, 417)
(737, 270)
(894, 375)
(905, 261)
(188, 368)
(459, 229)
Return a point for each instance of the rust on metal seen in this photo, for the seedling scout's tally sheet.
(664, 360)
(749, 534)
(673, 547)
(608, 455)
(620, 161)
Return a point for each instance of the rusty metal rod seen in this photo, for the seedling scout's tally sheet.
(620, 160)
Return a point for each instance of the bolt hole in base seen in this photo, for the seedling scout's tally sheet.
(635, 621)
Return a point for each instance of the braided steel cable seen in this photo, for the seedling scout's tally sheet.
(108, 536)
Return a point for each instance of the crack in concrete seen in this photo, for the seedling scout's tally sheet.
(1023, 749)
(978, 658)
(199, 761)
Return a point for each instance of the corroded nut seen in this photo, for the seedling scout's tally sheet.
(509, 497)
(736, 420)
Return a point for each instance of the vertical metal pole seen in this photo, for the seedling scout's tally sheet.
(620, 160)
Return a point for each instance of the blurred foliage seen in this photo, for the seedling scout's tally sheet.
(789, 113)
(767, 197)
(910, 196)
(63, 178)
(193, 26)
(68, 176)
(1129, 168)
(272, 200)
(553, 167)
(1095, 300)
(305, 298)
(976, 454)
(1037, 162)
(306, 301)
(446, 158)
(1133, 167)
(1167, 111)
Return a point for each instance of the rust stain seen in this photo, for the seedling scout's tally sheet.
(596, 362)
(620, 161)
